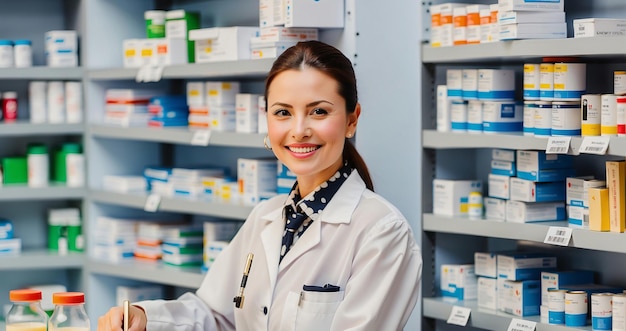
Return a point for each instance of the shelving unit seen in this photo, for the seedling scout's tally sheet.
(442, 151)
(147, 271)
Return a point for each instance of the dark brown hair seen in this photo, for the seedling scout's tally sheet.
(329, 60)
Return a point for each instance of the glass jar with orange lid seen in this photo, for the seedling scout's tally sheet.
(26, 313)
(69, 312)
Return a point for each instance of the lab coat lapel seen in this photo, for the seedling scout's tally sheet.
(271, 237)
(310, 238)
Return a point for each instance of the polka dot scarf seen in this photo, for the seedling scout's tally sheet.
(300, 213)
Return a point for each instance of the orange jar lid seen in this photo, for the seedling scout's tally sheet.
(25, 295)
(68, 298)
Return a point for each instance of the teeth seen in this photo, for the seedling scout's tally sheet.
(302, 149)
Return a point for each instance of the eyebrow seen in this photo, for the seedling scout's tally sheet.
(311, 104)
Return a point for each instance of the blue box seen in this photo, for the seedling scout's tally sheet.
(529, 191)
(521, 298)
(547, 175)
(504, 168)
(524, 266)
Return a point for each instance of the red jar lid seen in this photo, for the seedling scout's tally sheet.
(25, 295)
(68, 298)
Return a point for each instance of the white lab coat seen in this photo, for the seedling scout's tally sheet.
(361, 243)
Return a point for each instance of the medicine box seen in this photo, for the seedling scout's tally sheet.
(532, 161)
(615, 178)
(196, 94)
(599, 27)
(496, 84)
(522, 298)
(451, 196)
(282, 34)
(168, 51)
(256, 178)
(487, 293)
(503, 154)
(221, 93)
(578, 216)
(495, 209)
(547, 175)
(178, 23)
(443, 109)
(529, 191)
(599, 209)
(558, 279)
(513, 17)
(499, 186)
(271, 13)
(525, 212)
(222, 44)
(458, 282)
(523, 266)
(6, 229)
(246, 113)
(534, 5)
(485, 264)
(577, 189)
(314, 13)
(132, 53)
(10, 246)
(504, 168)
(533, 31)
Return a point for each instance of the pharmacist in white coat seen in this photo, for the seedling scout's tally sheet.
(332, 254)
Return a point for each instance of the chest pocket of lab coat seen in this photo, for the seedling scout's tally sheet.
(312, 311)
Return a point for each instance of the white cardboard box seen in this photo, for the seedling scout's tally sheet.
(533, 31)
(314, 13)
(247, 113)
(512, 17)
(257, 179)
(450, 196)
(222, 44)
(599, 27)
(535, 5)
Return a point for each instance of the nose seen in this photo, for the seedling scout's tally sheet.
(301, 127)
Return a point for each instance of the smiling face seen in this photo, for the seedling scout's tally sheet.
(308, 124)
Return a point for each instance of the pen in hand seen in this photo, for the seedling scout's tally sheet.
(126, 309)
(239, 299)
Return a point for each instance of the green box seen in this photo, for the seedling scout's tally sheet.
(155, 23)
(177, 25)
(15, 170)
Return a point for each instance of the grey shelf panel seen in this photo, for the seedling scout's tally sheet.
(176, 205)
(443, 140)
(217, 70)
(516, 50)
(483, 318)
(181, 136)
(148, 271)
(581, 238)
(41, 259)
(52, 192)
(42, 72)
(25, 128)
(448, 140)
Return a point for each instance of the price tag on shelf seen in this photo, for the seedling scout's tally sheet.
(201, 138)
(459, 316)
(595, 145)
(152, 203)
(141, 73)
(149, 74)
(521, 325)
(558, 145)
(558, 235)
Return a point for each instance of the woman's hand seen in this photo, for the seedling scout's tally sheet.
(113, 319)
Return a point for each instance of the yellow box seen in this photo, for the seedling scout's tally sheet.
(615, 179)
(599, 209)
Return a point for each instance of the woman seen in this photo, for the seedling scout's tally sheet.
(331, 255)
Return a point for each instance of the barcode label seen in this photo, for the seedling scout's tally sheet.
(595, 145)
(558, 145)
(558, 236)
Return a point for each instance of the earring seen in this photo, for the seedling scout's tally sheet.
(349, 135)
(265, 143)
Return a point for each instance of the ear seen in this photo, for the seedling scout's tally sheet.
(354, 118)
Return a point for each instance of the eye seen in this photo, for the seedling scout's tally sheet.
(319, 111)
(281, 112)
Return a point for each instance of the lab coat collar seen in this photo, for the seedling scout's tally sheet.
(339, 210)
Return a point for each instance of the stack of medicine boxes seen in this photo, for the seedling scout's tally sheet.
(533, 192)
(212, 105)
(168, 110)
(541, 19)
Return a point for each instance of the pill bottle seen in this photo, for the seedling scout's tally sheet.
(60, 161)
(6, 53)
(26, 313)
(9, 105)
(38, 165)
(69, 312)
(22, 53)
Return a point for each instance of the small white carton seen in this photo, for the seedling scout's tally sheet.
(451, 196)
(495, 208)
(513, 17)
(196, 94)
(499, 186)
(533, 31)
(599, 27)
(523, 266)
(525, 212)
(485, 264)
(168, 51)
(487, 293)
(256, 179)
(535, 5)
(247, 113)
(221, 93)
(458, 282)
(222, 44)
(314, 13)
(132, 53)
(577, 189)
